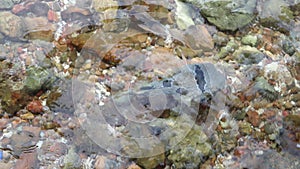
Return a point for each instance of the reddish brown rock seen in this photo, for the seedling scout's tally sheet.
(254, 118)
(52, 16)
(35, 106)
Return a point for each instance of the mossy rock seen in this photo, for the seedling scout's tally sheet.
(248, 55)
(38, 79)
(220, 14)
(192, 151)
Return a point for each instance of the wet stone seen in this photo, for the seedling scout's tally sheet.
(248, 55)
(290, 138)
(8, 4)
(191, 151)
(254, 118)
(38, 79)
(249, 40)
(20, 142)
(72, 159)
(220, 13)
(39, 28)
(265, 89)
(288, 47)
(245, 128)
(11, 25)
(39, 9)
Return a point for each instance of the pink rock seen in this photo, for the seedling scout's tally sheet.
(52, 16)
(18, 8)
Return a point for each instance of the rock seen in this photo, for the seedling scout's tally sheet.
(248, 55)
(61, 100)
(38, 79)
(52, 16)
(39, 9)
(8, 4)
(198, 38)
(58, 148)
(245, 128)
(84, 3)
(72, 160)
(192, 150)
(35, 106)
(151, 162)
(276, 14)
(183, 15)
(228, 15)
(1, 41)
(39, 28)
(280, 74)
(290, 138)
(265, 89)
(231, 46)
(288, 47)
(254, 118)
(3, 123)
(249, 40)
(134, 166)
(23, 141)
(11, 25)
(27, 116)
(103, 162)
(27, 160)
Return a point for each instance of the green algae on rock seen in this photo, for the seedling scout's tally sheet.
(38, 79)
(223, 15)
(249, 40)
(248, 55)
(192, 150)
(265, 89)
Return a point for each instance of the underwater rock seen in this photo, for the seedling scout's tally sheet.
(192, 150)
(228, 15)
(38, 79)
(290, 138)
(11, 25)
(248, 55)
(277, 14)
(265, 89)
(249, 40)
(151, 162)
